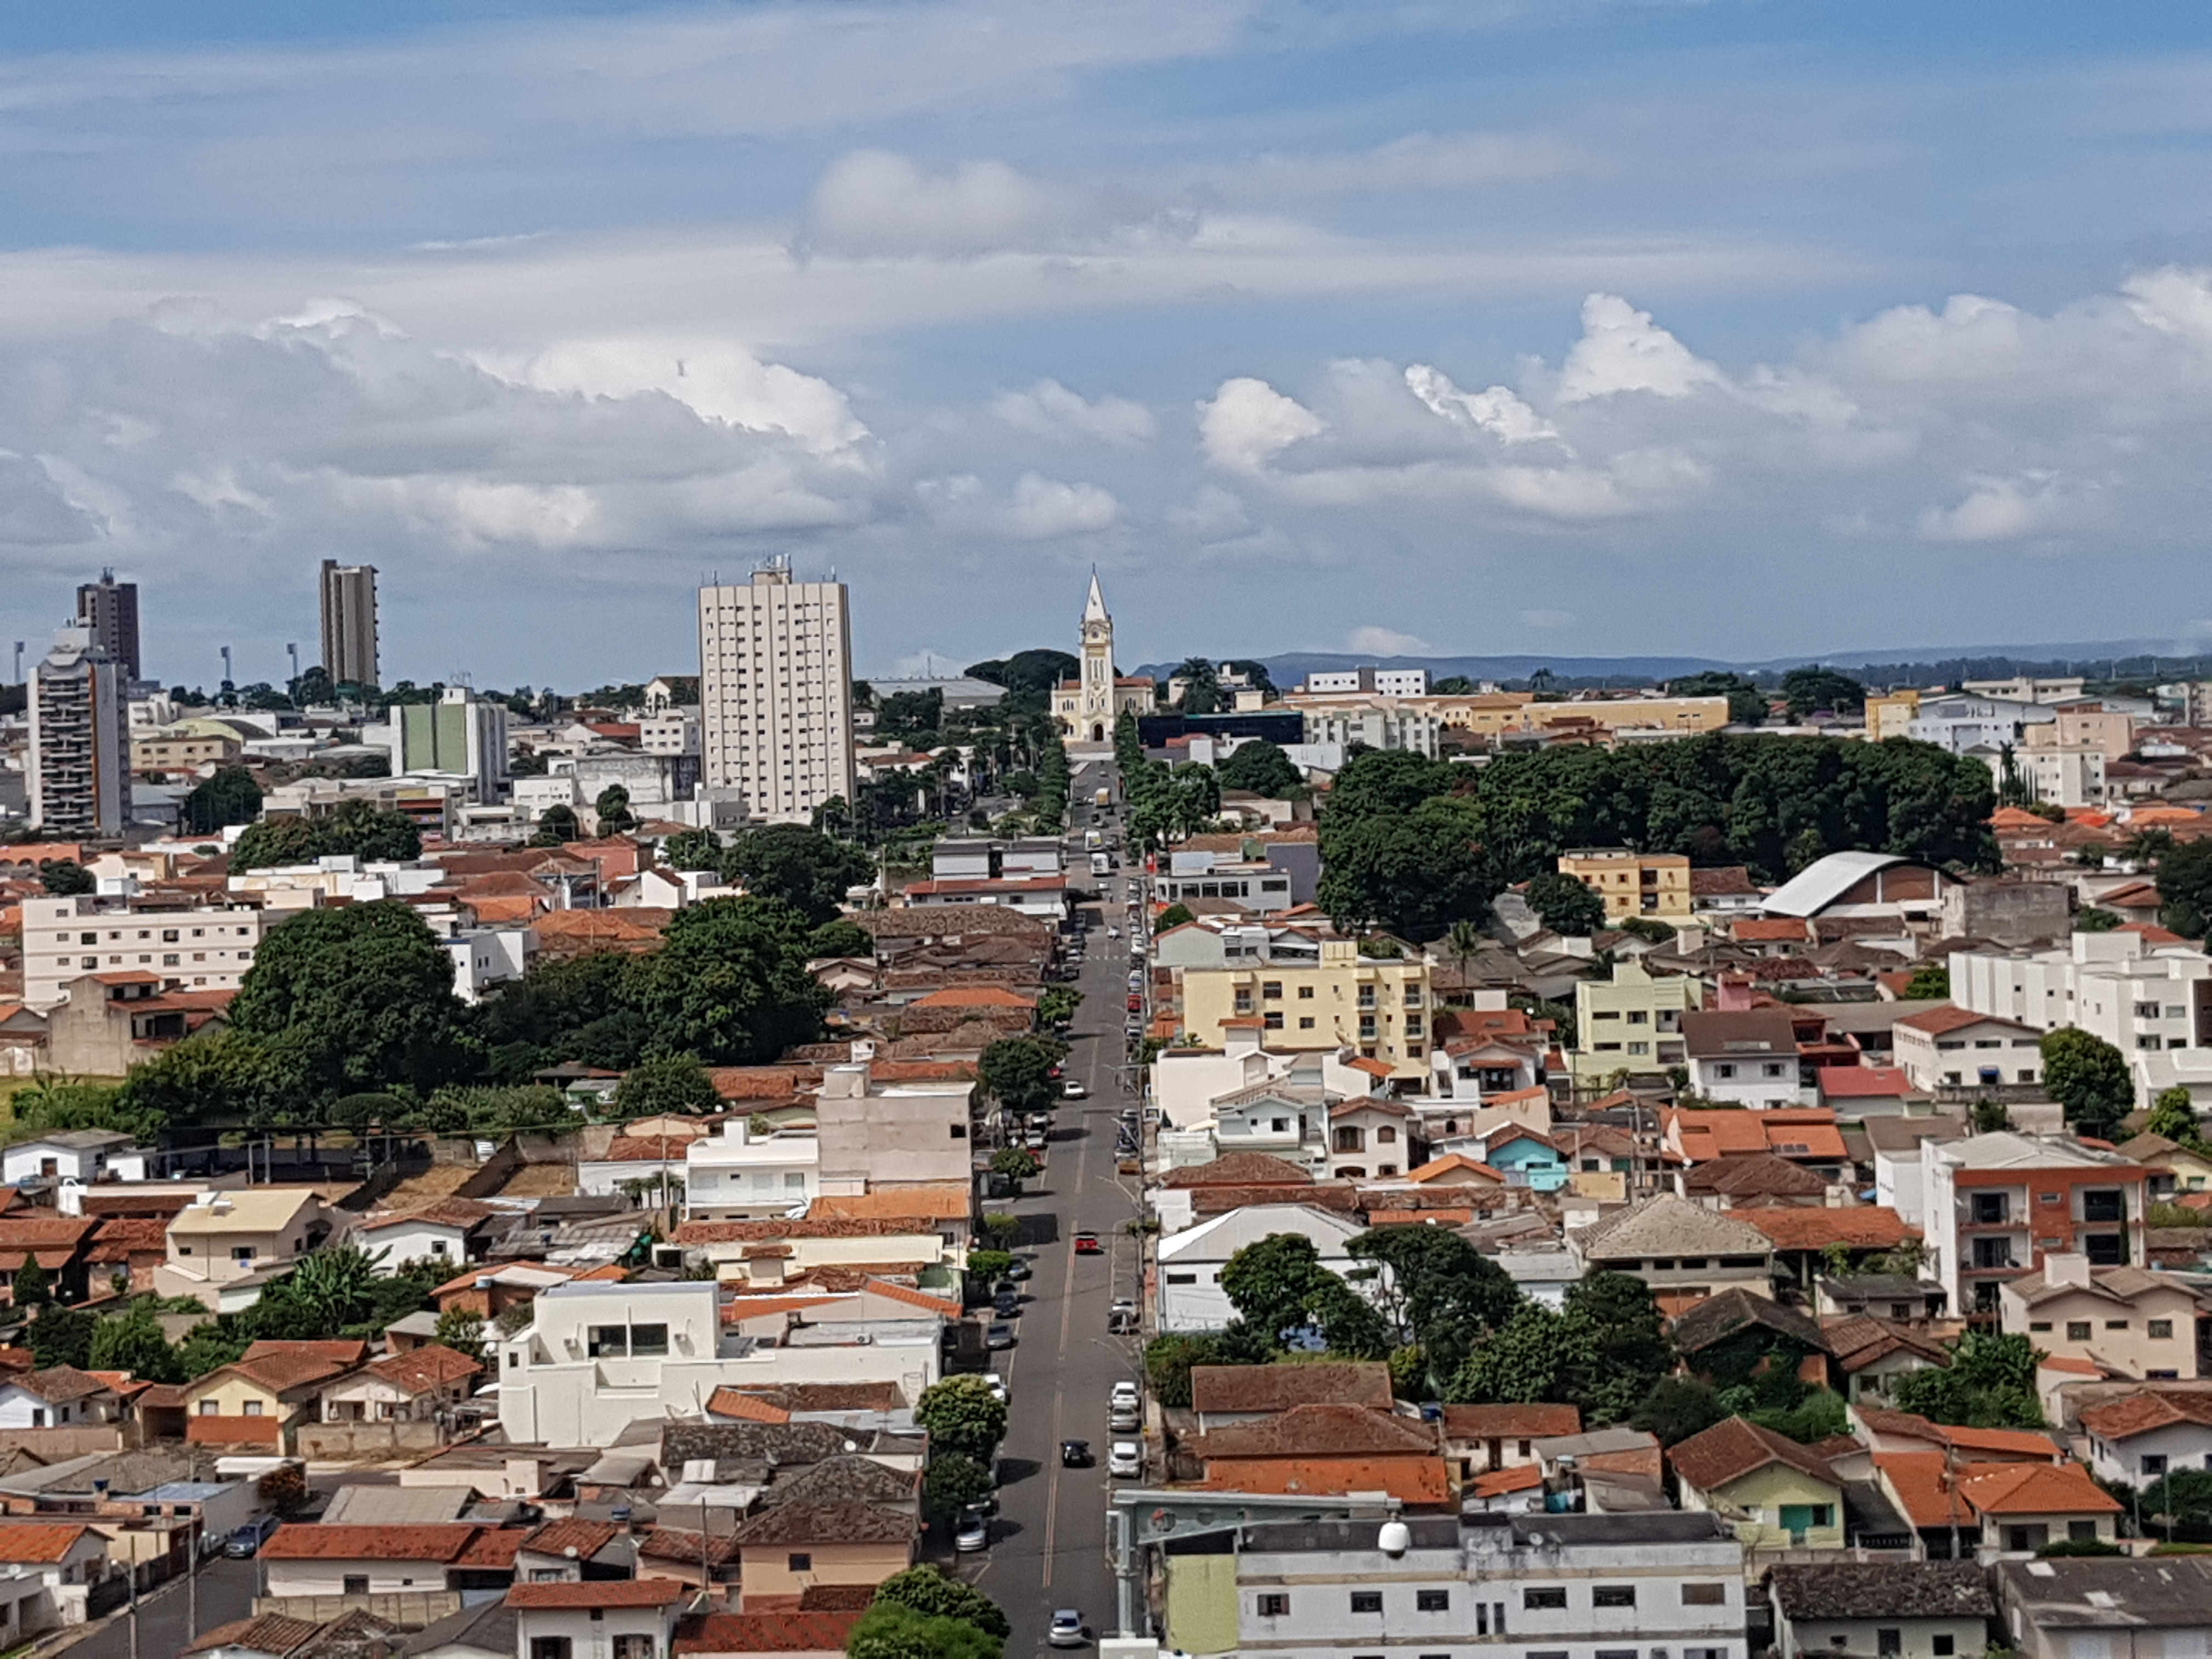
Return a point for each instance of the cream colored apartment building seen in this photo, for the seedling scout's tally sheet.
(1654, 885)
(1632, 1023)
(776, 690)
(208, 947)
(1380, 1007)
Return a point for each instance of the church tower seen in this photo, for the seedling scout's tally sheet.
(1088, 705)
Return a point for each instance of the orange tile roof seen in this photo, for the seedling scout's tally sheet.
(33, 1542)
(1443, 1215)
(1496, 1484)
(946, 1200)
(2139, 1413)
(2034, 1489)
(769, 1305)
(769, 1632)
(1511, 1422)
(601, 1593)
(493, 1549)
(587, 1538)
(420, 1369)
(729, 1402)
(1372, 1068)
(1858, 1226)
(1916, 1480)
(1709, 1134)
(320, 1541)
(914, 1298)
(974, 996)
(1409, 1479)
(645, 1149)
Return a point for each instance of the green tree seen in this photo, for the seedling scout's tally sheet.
(988, 1266)
(1174, 916)
(2173, 1115)
(611, 810)
(1262, 769)
(1930, 979)
(557, 825)
(1016, 1163)
(1619, 1344)
(2183, 1495)
(1814, 689)
(1678, 1407)
(952, 1481)
(674, 1082)
(888, 1630)
(229, 796)
(1435, 1291)
(359, 998)
(2185, 887)
(1384, 782)
(50, 1104)
(1168, 1359)
(1519, 1364)
(693, 849)
(1747, 702)
(2088, 1077)
(1278, 1288)
(132, 1341)
(1988, 1384)
(62, 1336)
(839, 937)
(211, 1345)
(803, 867)
(935, 1594)
(1017, 1072)
(360, 830)
(218, 1073)
(1414, 871)
(961, 1415)
(274, 841)
(33, 1286)
(728, 985)
(463, 1331)
(1565, 903)
(1030, 674)
(330, 1290)
(1057, 1005)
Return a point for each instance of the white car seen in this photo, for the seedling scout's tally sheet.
(1066, 1630)
(1113, 932)
(997, 1385)
(1126, 1389)
(1125, 1460)
(974, 1534)
(1073, 1090)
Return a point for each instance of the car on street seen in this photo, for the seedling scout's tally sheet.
(1076, 1455)
(974, 1533)
(1066, 1630)
(1074, 1089)
(1007, 1305)
(1019, 1268)
(997, 1385)
(247, 1541)
(1034, 1140)
(1125, 1391)
(1088, 1244)
(1125, 1417)
(1112, 932)
(1000, 1336)
(1125, 1460)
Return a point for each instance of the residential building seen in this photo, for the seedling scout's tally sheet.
(459, 736)
(1192, 1086)
(1774, 1493)
(1655, 886)
(1379, 1006)
(80, 1155)
(1960, 723)
(80, 756)
(1326, 1448)
(184, 748)
(671, 731)
(1382, 724)
(1900, 1162)
(2174, 1168)
(847, 1523)
(1379, 682)
(1256, 885)
(1480, 1439)
(2021, 1507)
(422, 1385)
(260, 1400)
(232, 1238)
(1951, 1047)
(1747, 1057)
(1088, 706)
(2141, 1437)
(1998, 1204)
(47, 1569)
(1633, 1022)
(108, 609)
(56, 1398)
(1191, 1262)
(886, 1139)
(2009, 912)
(2127, 1322)
(1480, 1585)
(2053, 775)
(2140, 996)
(451, 1231)
(205, 947)
(327, 1560)
(740, 1175)
(2091, 1609)
(1225, 1394)
(775, 691)
(633, 1618)
(1682, 1251)
(349, 619)
(1898, 1609)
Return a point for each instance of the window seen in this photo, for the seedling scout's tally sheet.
(1432, 1600)
(607, 1342)
(1533, 1601)
(1182, 1278)
(798, 1561)
(1273, 1607)
(2161, 1330)
(1613, 1595)
(515, 1359)
(633, 1647)
(2082, 1532)
(1367, 1601)
(1305, 1021)
(648, 1340)
(251, 1408)
(2153, 1463)
(2103, 1206)
(1272, 1019)
(1992, 1209)
(546, 1575)
(2034, 1325)
(1724, 1070)
(1305, 993)
(357, 1585)
(1271, 990)
(1889, 1644)
(2104, 1250)
(2116, 1324)
(1943, 1646)
(1704, 1595)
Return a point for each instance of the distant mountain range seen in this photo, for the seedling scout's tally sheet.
(2096, 660)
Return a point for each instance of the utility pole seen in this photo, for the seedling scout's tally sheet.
(132, 1569)
(192, 1583)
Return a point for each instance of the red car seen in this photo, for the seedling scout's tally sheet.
(1088, 1244)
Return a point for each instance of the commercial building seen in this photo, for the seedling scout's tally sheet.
(80, 756)
(110, 609)
(1088, 706)
(1379, 1006)
(208, 946)
(349, 617)
(1999, 1205)
(775, 687)
(459, 736)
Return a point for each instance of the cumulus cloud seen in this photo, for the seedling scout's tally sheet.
(1496, 411)
(1049, 409)
(1372, 640)
(1994, 510)
(1622, 350)
(718, 380)
(1246, 423)
(1038, 509)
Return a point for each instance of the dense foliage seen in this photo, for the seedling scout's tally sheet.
(1988, 1384)
(1566, 905)
(2088, 1077)
(1262, 769)
(356, 828)
(229, 796)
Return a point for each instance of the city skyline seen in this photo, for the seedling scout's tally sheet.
(1533, 327)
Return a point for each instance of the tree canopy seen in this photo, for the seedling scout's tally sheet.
(1988, 1384)
(1814, 689)
(1566, 905)
(2184, 888)
(806, 869)
(1262, 769)
(356, 828)
(229, 796)
(1017, 1072)
(2088, 1077)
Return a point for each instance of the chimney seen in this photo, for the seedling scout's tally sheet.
(2067, 1268)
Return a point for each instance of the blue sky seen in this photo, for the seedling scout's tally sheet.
(1595, 327)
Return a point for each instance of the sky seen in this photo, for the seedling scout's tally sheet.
(1583, 327)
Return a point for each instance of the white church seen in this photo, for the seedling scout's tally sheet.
(1087, 706)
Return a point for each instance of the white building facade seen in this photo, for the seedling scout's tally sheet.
(776, 688)
(64, 939)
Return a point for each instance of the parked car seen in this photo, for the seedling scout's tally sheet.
(1125, 1460)
(1088, 1244)
(997, 1385)
(1019, 1268)
(1073, 1090)
(1000, 1336)
(974, 1533)
(247, 1541)
(1126, 1390)
(1034, 1140)
(1066, 1630)
(1007, 1305)
(1076, 1455)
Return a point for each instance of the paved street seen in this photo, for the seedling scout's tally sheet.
(1050, 1548)
(226, 1592)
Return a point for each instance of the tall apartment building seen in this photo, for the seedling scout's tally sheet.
(205, 947)
(1632, 884)
(775, 691)
(2139, 997)
(461, 735)
(348, 594)
(110, 609)
(80, 756)
(1998, 1205)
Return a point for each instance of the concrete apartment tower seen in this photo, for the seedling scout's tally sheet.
(110, 609)
(80, 758)
(349, 623)
(776, 692)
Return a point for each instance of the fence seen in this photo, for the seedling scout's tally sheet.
(408, 1609)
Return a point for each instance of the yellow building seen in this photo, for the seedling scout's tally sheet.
(1888, 715)
(181, 747)
(1655, 885)
(1612, 714)
(1378, 1005)
(1489, 713)
(1633, 1025)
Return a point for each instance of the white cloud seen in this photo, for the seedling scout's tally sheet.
(1995, 510)
(1039, 508)
(1497, 410)
(1212, 514)
(718, 380)
(1623, 350)
(1372, 639)
(1049, 409)
(1423, 161)
(1247, 423)
(873, 204)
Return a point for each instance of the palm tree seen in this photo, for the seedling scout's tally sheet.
(1464, 940)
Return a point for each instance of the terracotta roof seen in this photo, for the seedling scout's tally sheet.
(322, 1541)
(272, 1632)
(420, 1369)
(1862, 1338)
(1320, 1431)
(1241, 1169)
(1942, 1022)
(1917, 1481)
(644, 1149)
(58, 1384)
(1511, 1422)
(944, 1201)
(1718, 1134)
(673, 1544)
(493, 1549)
(340, 1351)
(1421, 1480)
(1858, 1226)
(1338, 1196)
(587, 1538)
(756, 1232)
(1455, 1163)
(601, 1593)
(768, 1633)
(729, 1402)
(1861, 1082)
(122, 1238)
(2139, 1413)
(1754, 1174)
(1372, 1068)
(1729, 1451)
(1736, 1310)
(1526, 1477)
(2034, 1489)
(762, 1082)
(462, 1213)
(281, 1372)
(29, 1542)
(2004, 1442)
(1239, 1389)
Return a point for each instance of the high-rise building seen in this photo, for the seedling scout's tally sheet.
(461, 735)
(80, 758)
(110, 609)
(349, 623)
(775, 691)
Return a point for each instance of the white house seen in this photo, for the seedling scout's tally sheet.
(740, 1175)
(61, 1396)
(1745, 1057)
(2135, 1440)
(46, 1569)
(81, 1155)
(1190, 1261)
(448, 1230)
(607, 1618)
(326, 1558)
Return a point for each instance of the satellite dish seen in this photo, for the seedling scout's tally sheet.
(1396, 1538)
